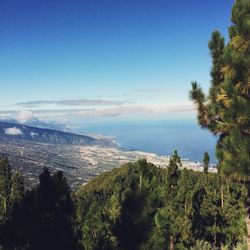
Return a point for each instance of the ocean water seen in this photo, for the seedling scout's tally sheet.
(160, 137)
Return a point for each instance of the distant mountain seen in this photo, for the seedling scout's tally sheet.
(35, 122)
(15, 131)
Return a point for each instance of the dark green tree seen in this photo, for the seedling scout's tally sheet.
(11, 194)
(166, 218)
(5, 188)
(44, 217)
(55, 213)
(173, 172)
(17, 188)
(206, 161)
(226, 110)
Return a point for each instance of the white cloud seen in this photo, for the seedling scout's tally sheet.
(24, 116)
(33, 134)
(13, 131)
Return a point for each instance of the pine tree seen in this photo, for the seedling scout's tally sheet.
(206, 161)
(173, 171)
(167, 217)
(5, 188)
(53, 212)
(17, 188)
(226, 110)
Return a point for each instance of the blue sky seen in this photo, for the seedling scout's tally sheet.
(89, 59)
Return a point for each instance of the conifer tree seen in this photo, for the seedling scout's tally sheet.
(206, 161)
(226, 110)
(173, 171)
(17, 188)
(167, 217)
(5, 188)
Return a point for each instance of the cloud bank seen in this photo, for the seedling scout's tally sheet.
(13, 131)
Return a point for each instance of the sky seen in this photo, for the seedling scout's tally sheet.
(114, 59)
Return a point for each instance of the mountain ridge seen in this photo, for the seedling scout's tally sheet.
(17, 131)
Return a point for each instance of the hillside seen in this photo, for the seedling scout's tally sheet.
(140, 206)
(134, 207)
(13, 131)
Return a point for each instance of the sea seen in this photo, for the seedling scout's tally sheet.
(160, 137)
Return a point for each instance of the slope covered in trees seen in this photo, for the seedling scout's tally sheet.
(136, 206)
(140, 206)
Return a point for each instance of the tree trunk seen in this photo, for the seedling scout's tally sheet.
(222, 197)
(171, 243)
(215, 236)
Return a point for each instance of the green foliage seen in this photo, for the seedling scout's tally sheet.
(113, 209)
(226, 110)
(137, 206)
(17, 188)
(41, 218)
(241, 246)
(154, 208)
(47, 214)
(206, 161)
(5, 188)
(202, 245)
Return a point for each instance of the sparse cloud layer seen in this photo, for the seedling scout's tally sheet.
(130, 110)
(147, 102)
(74, 102)
(149, 109)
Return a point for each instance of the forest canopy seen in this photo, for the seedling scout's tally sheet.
(136, 206)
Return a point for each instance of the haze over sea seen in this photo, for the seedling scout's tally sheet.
(160, 137)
